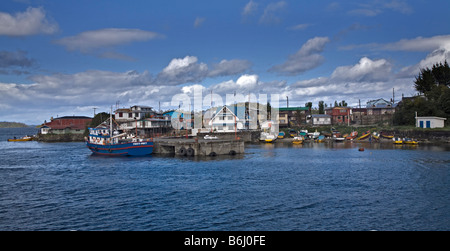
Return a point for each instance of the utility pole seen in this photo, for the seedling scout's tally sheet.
(95, 108)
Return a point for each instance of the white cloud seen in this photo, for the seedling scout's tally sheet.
(305, 59)
(375, 8)
(366, 70)
(229, 67)
(419, 44)
(190, 70)
(91, 40)
(249, 8)
(271, 12)
(31, 22)
(199, 21)
(182, 70)
(299, 27)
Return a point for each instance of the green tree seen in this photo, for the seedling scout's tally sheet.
(321, 107)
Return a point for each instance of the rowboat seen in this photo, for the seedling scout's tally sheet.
(383, 135)
(364, 136)
(338, 139)
(270, 138)
(320, 139)
(375, 135)
(297, 140)
(26, 138)
(352, 135)
(281, 135)
(397, 140)
(410, 141)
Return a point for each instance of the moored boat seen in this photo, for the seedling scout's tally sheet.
(25, 138)
(281, 135)
(410, 141)
(338, 139)
(106, 141)
(314, 135)
(375, 135)
(386, 136)
(320, 139)
(270, 138)
(297, 140)
(364, 136)
(352, 135)
(397, 140)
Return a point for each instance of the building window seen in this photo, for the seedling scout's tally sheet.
(120, 115)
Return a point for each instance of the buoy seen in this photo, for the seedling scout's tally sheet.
(361, 149)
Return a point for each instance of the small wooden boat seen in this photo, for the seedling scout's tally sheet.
(364, 136)
(297, 140)
(352, 135)
(281, 135)
(338, 139)
(314, 135)
(321, 138)
(375, 135)
(410, 141)
(384, 135)
(292, 133)
(397, 140)
(26, 138)
(270, 138)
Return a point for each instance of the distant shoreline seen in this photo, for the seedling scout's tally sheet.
(5, 124)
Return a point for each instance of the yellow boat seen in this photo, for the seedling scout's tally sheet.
(364, 136)
(297, 140)
(397, 140)
(410, 142)
(281, 135)
(26, 138)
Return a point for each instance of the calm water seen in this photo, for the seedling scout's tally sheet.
(61, 186)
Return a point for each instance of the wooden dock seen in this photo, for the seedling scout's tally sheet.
(197, 147)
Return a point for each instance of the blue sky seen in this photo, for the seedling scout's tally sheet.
(62, 58)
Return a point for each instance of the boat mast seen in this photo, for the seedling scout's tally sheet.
(110, 127)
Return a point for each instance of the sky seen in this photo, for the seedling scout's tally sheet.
(64, 58)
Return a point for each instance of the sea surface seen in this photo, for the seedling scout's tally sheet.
(315, 186)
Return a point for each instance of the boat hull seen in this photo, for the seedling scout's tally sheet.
(20, 140)
(125, 149)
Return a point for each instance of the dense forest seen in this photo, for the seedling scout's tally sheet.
(433, 98)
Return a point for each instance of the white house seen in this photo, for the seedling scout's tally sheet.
(321, 119)
(430, 122)
(228, 119)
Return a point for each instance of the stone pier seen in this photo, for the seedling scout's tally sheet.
(200, 147)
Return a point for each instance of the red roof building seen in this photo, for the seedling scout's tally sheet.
(67, 124)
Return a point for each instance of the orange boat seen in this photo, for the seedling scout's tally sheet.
(352, 135)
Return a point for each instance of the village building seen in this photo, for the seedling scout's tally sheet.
(142, 120)
(430, 122)
(229, 119)
(320, 119)
(339, 115)
(380, 111)
(289, 117)
(133, 113)
(66, 125)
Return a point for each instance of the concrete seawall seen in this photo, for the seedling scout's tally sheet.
(192, 147)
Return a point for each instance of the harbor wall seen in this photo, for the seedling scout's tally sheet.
(246, 136)
(192, 147)
(424, 136)
(68, 137)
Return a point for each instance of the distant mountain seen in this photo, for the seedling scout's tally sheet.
(12, 124)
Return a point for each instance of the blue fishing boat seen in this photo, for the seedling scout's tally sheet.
(106, 141)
